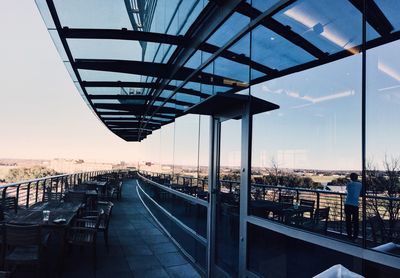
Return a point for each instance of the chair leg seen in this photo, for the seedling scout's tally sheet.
(94, 257)
(106, 239)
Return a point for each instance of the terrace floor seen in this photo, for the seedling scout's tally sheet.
(138, 247)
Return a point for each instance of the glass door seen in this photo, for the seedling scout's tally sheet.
(228, 199)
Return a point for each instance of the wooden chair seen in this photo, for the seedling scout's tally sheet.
(117, 191)
(75, 197)
(105, 220)
(299, 218)
(84, 233)
(286, 199)
(9, 204)
(25, 245)
(52, 196)
(308, 203)
(379, 232)
(319, 223)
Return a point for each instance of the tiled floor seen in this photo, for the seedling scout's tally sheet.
(138, 247)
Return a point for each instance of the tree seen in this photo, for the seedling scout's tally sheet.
(35, 172)
(385, 187)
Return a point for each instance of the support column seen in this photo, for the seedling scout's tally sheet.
(245, 184)
(213, 175)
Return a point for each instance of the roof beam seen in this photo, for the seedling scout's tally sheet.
(114, 34)
(136, 109)
(125, 120)
(138, 97)
(132, 124)
(153, 69)
(151, 85)
(211, 17)
(238, 58)
(374, 16)
(123, 34)
(282, 30)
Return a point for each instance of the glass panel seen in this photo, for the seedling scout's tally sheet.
(45, 13)
(390, 8)
(189, 214)
(330, 25)
(262, 5)
(94, 75)
(275, 255)
(228, 200)
(272, 50)
(229, 29)
(204, 152)
(186, 145)
(383, 148)
(93, 14)
(105, 49)
(304, 152)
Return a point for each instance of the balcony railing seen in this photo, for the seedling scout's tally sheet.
(382, 216)
(29, 192)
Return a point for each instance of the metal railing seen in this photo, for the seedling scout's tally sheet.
(29, 192)
(385, 209)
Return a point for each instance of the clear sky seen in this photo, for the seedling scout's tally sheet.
(41, 113)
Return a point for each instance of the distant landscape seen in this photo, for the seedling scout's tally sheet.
(13, 170)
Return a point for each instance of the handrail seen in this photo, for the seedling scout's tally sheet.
(301, 189)
(176, 192)
(29, 192)
(39, 179)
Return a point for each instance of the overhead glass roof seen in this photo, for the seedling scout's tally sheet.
(140, 64)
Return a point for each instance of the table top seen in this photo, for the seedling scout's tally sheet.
(98, 183)
(58, 210)
(280, 207)
(87, 192)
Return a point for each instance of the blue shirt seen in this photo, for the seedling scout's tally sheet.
(353, 193)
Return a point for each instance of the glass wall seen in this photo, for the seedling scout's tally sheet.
(383, 148)
(311, 142)
(303, 153)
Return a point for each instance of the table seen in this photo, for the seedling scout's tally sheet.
(90, 196)
(284, 211)
(34, 216)
(96, 183)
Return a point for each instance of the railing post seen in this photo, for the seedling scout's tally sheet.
(317, 200)
(28, 191)
(341, 213)
(57, 185)
(44, 189)
(3, 194)
(17, 194)
(37, 192)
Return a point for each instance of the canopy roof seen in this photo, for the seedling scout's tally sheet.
(138, 72)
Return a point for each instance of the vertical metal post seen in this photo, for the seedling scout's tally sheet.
(28, 192)
(245, 186)
(363, 123)
(37, 191)
(213, 175)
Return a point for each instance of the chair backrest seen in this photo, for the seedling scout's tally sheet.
(378, 229)
(307, 203)
(9, 203)
(52, 196)
(286, 199)
(22, 235)
(321, 214)
(76, 197)
(107, 213)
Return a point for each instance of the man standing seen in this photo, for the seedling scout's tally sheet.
(354, 188)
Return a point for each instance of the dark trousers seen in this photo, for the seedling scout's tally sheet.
(351, 221)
